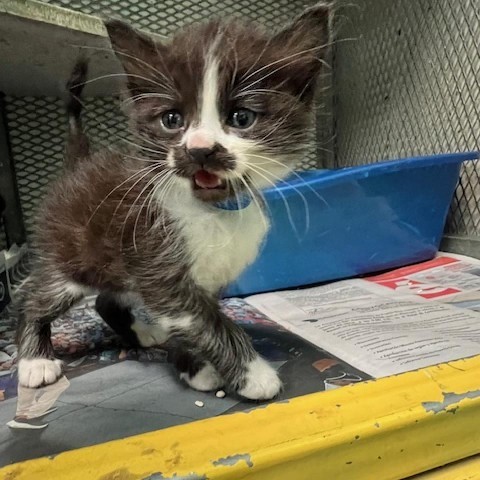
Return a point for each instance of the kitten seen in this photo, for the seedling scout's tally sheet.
(219, 112)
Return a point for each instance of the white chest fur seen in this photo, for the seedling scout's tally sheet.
(220, 243)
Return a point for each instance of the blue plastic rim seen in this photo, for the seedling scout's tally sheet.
(328, 225)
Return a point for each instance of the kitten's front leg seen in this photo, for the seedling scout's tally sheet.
(44, 298)
(208, 333)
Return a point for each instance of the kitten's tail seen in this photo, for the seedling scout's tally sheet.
(78, 145)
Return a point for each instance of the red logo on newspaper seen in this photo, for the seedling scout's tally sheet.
(425, 290)
(398, 280)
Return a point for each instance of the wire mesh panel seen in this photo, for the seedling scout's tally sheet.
(37, 129)
(407, 77)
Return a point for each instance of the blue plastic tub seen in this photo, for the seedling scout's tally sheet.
(353, 221)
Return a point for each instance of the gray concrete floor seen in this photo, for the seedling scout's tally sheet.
(113, 402)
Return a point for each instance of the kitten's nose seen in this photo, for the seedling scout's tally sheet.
(201, 155)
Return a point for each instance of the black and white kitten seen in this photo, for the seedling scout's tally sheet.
(219, 112)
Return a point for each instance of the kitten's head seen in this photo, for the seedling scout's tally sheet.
(224, 105)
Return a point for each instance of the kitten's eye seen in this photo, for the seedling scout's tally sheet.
(172, 120)
(241, 118)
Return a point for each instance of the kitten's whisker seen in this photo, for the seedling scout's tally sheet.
(320, 60)
(297, 54)
(105, 127)
(129, 155)
(160, 149)
(254, 198)
(112, 75)
(136, 145)
(237, 198)
(286, 116)
(292, 171)
(260, 55)
(241, 212)
(235, 70)
(158, 198)
(142, 147)
(154, 199)
(169, 83)
(150, 170)
(162, 182)
(142, 96)
(142, 138)
(158, 176)
(132, 205)
(254, 167)
(231, 235)
(285, 201)
(140, 159)
(269, 74)
(138, 172)
(261, 90)
(281, 121)
(160, 201)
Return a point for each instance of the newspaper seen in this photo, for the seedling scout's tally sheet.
(391, 323)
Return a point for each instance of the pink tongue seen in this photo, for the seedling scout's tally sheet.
(206, 179)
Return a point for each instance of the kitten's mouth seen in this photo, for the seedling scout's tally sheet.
(209, 187)
(208, 181)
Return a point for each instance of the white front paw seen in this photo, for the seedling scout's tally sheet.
(36, 372)
(205, 380)
(263, 382)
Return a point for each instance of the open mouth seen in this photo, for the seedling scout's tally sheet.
(203, 180)
(209, 187)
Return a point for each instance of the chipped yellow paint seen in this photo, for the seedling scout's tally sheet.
(468, 469)
(387, 429)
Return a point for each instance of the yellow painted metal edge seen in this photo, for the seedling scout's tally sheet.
(386, 429)
(468, 469)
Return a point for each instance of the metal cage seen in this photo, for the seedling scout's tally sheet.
(406, 81)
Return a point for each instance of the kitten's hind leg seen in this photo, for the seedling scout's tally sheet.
(199, 374)
(196, 322)
(116, 309)
(43, 299)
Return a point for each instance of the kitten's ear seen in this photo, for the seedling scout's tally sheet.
(304, 43)
(308, 31)
(137, 52)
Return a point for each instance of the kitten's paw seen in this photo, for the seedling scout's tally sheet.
(205, 380)
(263, 382)
(37, 372)
(149, 335)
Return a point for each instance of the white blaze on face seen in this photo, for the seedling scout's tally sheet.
(209, 129)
